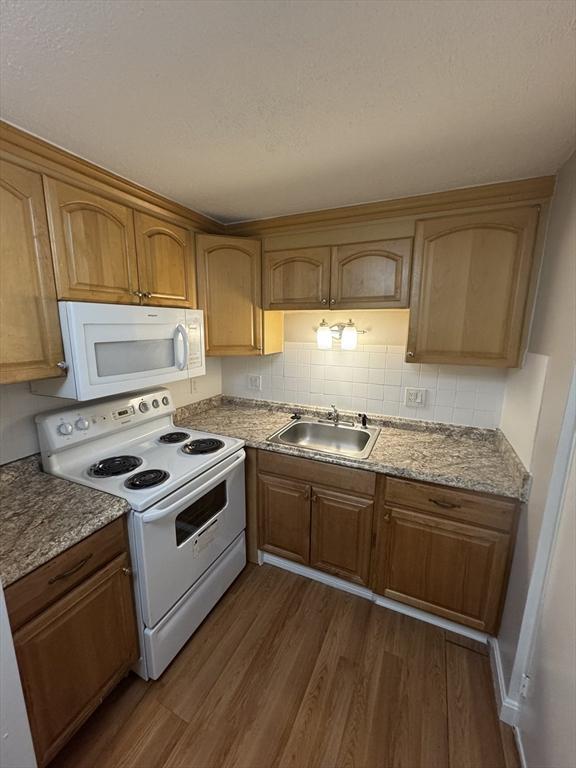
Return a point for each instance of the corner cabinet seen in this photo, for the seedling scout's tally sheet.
(470, 287)
(230, 293)
(370, 275)
(31, 341)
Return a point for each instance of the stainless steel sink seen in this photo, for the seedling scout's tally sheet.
(341, 439)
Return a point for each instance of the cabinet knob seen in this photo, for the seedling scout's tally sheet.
(137, 293)
(409, 354)
(314, 498)
(147, 295)
(127, 571)
(324, 301)
(332, 301)
(63, 365)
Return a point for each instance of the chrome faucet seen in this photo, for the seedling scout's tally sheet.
(334, 416)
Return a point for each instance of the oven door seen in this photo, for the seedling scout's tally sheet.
(176, 540)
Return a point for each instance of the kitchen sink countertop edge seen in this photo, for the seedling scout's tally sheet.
(41, 516)
(470, 458)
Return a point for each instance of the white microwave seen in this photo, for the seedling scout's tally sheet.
(110, 348)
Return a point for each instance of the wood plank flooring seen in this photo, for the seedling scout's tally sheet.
(289, 673)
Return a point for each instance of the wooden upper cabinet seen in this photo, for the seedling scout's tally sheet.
(371, 275)
(296, 279)
(452, 569)
(31, 341)
(229, 292)
(470, 287)
(93, 246)
(341, 534)
(284, 517)
(165, 262)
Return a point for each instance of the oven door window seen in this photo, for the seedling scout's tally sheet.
(191, 519)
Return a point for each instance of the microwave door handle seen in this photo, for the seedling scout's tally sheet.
(150, 517)
(180, 332)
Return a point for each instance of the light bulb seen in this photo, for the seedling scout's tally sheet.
(349, 338)
(324, 336)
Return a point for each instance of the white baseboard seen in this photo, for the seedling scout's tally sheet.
(508, 709)
(519, 746)
(368, 594)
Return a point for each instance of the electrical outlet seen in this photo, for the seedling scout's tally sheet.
(414, 398)
(254, 381)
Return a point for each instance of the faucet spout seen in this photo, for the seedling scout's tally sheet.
(334, 415)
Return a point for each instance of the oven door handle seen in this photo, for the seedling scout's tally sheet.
(180, 331)
(151, 517)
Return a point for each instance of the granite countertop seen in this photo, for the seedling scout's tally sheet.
(462, 457)
(42, 515)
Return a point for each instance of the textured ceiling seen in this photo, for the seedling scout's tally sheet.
(247, 109)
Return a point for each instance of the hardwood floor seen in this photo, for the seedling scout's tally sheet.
(289, 673)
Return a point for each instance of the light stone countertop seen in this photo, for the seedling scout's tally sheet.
(42, 515)
(463, 457)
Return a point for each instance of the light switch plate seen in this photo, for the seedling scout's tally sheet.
(254, 381)
(414, 398)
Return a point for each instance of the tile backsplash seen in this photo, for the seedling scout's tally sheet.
(371, 379)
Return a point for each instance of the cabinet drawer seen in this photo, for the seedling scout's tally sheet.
(34, 592)
(318, 473)
(487, 511)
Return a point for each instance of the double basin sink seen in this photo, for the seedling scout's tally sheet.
(343, 438)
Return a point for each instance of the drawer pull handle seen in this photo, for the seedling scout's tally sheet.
(72, 570)
(444, 504)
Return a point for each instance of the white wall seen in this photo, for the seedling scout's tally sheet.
(371, 379)
(16, 750)
(548, 713)
(18, 406)
(522, 405)
(553, 335)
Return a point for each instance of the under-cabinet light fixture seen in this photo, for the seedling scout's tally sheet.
(345, 333)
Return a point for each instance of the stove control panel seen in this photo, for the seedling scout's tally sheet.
(59, 430)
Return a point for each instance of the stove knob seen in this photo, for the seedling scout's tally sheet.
(82, 424)
(155, 403)
(143, 407)
(65, 428)
(165, 400)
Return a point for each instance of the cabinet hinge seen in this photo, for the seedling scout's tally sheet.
(525, 685)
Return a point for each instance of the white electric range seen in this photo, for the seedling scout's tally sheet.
(186, 493)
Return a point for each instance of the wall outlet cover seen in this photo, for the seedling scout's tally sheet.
(414, 398)
(254, 381)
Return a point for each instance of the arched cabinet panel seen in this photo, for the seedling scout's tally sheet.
(229, 292)
(470, 287)
(372, 275)
(165, 262)
(93, 245)
(297, 278)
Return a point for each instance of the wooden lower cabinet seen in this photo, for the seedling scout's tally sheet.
(71, 655)
(341, 534)
(284, 512)
(452, 569)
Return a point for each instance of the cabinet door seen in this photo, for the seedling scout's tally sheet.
(284, 517)
(93, 246)
(296, 279)
(341, 534)
(31, 341)
(72, 655)
(371, 275)
(229, 292)
(165, 262)
(451, 569)
(470, 287)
